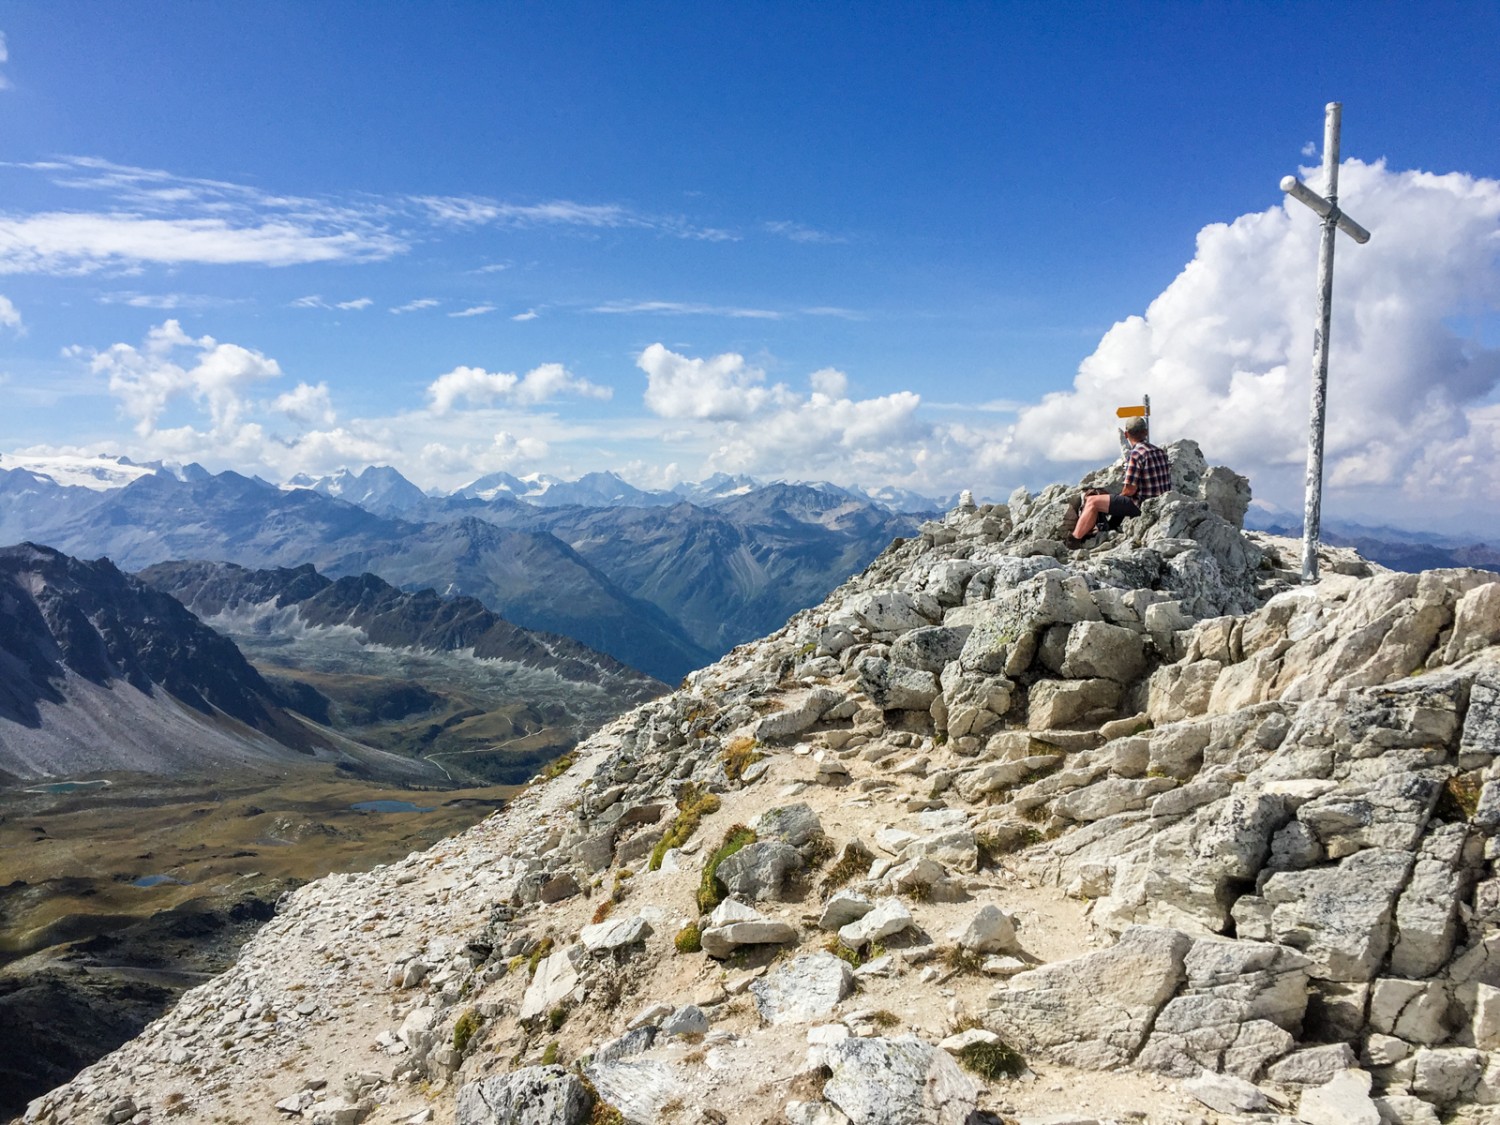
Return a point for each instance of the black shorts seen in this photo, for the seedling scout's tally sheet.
(1121, 508)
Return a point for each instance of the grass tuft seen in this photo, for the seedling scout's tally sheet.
(991, 1060)
(557, 767)
(738, 756)
(853, 862)
(549, 1055)
(692, 806)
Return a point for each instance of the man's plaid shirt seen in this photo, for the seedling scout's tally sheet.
(1149, 470)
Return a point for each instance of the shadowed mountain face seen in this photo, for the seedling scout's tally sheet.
(725, 573)
(664, 588)
(529, 576)
(75, 635)
(441, 678)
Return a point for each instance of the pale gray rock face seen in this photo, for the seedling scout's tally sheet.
(796, 825)
(1476, 622)
(631, 1043)
(638, 1088)
(802, 989)
(1427, 913)
(534, 1095)
(991, 930)
(1313, 1066)
(844, 907)
(1341, 917)
(1224, 1093)
(1055, 704)
(886, 611)
(1096, 649)
(733, 924)
(892, 687)
(1055, 1009)
(802, 714)
(1446, 1075)
(1227, 494)
(555, 982)
(759, 872)
(931, 647)
(611, 934)
(1240, 1008)
(687, 1020)
(903, 1081)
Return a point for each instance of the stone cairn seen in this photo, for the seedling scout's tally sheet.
(1147, 832)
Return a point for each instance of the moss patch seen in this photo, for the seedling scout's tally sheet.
(689, 939)
(711, 892)
(464, 1028)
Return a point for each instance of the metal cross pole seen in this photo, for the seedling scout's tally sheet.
(1333, 219)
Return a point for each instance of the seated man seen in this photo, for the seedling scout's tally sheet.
(1147, 474)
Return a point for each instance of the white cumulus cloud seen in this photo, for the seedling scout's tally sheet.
(1225, 352)
(479, 387)
(722, 387)
(307, 403)
(10, 316)
(146, 379)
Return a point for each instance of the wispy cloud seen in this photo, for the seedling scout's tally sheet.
(801, 232)
(475, 310)
(4, 58)
(460, 210)
(685, 308)
(315, 301)
(493, 267)
(529, 314)
(169, 301)
(414, 306)
(153, 216)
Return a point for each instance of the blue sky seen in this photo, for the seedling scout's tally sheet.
(858, 242)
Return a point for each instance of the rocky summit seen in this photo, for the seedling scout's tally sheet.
(998, 832)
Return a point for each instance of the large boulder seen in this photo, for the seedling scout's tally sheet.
(1056, 1010)
(902, 1081)
(759, 872)
(533, 1095)
(802, 989)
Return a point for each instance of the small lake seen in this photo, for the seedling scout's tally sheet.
(67, 786)
(156, 881)
(389, 806)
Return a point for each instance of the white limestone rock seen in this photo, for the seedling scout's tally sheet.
(879, 1081)
(803, 988)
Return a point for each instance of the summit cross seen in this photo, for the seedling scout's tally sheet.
(1333, 219)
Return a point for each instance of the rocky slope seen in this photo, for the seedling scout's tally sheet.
(1144, 833)
(101, 672)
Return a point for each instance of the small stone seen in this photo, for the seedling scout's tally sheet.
(991, 930)
(890, 917)
(1224, 1093)
(843, 908)
(687, 1020)
(1345, 1100)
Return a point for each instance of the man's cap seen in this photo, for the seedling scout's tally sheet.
(1137, 425)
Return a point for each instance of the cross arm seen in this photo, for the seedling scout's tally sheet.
(1304, 194)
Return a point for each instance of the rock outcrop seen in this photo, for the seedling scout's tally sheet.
(1144, 832)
